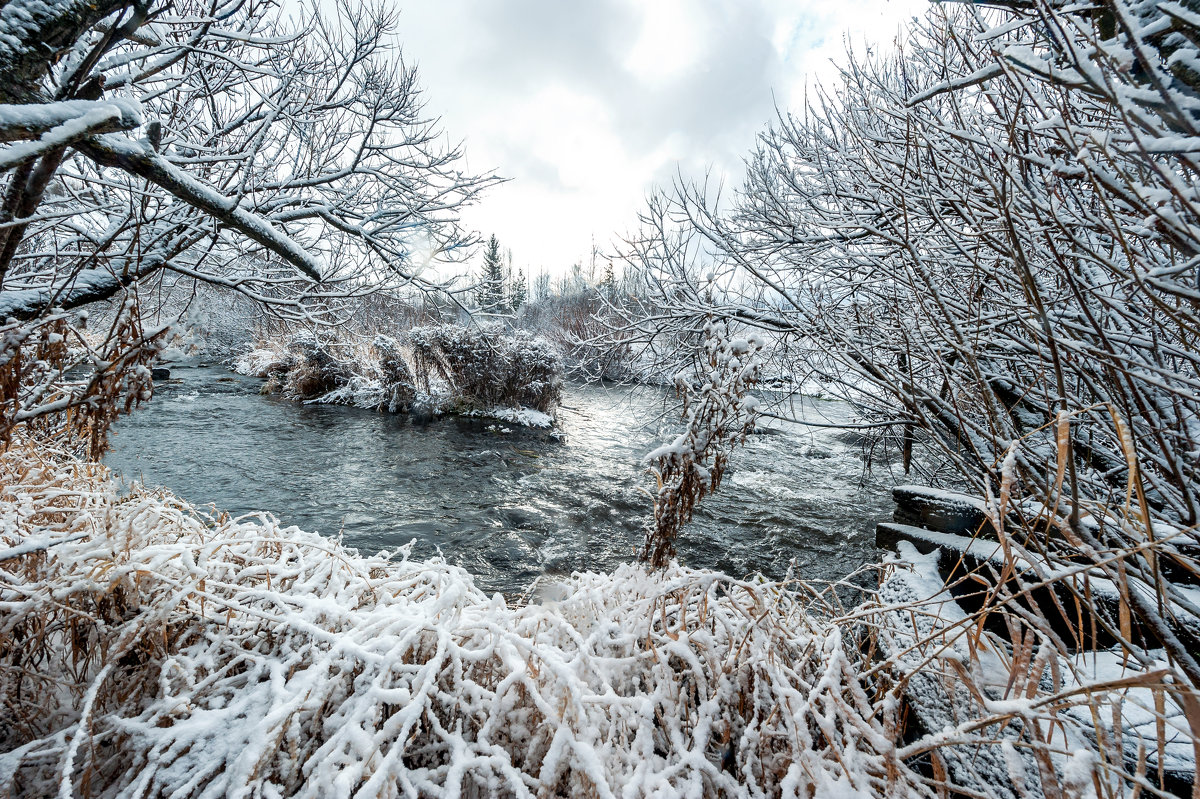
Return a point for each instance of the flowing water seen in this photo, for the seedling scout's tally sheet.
(507, 503)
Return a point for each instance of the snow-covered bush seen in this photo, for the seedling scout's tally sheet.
(261, 361)
(718, 414)
(313, 368)
(395, 375)
(488, 367)
(447, 368)
(148, 648)
(63, 385)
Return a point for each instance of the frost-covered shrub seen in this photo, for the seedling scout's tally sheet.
(468, 358)
(262, 361)
(396, 377)
(488, 368)
(150, 649)
(718, 413)
(46, 391)
(313, 368)
(444, 368)
(534, 369)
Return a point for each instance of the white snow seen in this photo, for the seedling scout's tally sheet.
(527, 417)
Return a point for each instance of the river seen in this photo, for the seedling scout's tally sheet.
(507, 503)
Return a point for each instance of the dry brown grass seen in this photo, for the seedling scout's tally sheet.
(149, 649)
(62, 385)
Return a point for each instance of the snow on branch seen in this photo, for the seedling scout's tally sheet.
(291, 164)
(718, 413)
(34, 120)
(35, 33)
(137, 159)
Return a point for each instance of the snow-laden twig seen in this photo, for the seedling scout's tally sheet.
(718, 413)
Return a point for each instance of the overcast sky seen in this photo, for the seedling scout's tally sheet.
(588, 104)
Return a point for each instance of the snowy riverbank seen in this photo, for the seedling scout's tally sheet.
(177, 651)
(150, 648)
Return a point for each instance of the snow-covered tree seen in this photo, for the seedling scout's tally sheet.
(988, 243)
(158, 143)
(541, 287)
(490, 290)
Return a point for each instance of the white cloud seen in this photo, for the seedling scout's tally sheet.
(585, 105)
(670, 42)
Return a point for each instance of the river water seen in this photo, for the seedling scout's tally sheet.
(507, 503)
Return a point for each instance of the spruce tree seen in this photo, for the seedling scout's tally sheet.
(489, 293)
(608, 286)
(518, 290)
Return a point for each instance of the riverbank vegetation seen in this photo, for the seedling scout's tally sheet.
(987, 242)
(151, 647)
(157, 649)
(477, 369)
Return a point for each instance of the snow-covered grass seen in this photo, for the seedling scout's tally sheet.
(481, 371)
(148, 648)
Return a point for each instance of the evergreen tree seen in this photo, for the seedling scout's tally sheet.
(489, 292)
(608, 286)
(518, 290)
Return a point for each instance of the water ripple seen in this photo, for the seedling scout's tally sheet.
(507, 506)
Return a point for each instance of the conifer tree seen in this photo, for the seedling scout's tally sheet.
(489, 294)
(608, 286)
(519, 290)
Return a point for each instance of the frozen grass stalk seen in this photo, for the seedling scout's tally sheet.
(149, 649)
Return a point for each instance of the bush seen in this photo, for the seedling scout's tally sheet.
(312, 368)
(400, 387)
(488, 369)
(447, 367)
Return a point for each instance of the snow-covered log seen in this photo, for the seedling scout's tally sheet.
(1027, 717)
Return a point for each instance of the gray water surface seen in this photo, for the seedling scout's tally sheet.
(507, 503)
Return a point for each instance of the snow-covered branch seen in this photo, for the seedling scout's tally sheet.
(290, 161)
